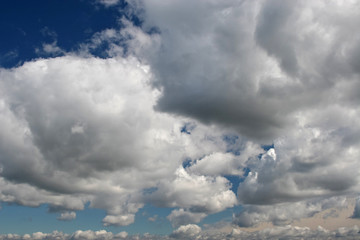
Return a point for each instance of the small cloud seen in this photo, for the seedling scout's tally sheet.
(119, 220)
(153, 218)
(46, 32)
(122, 234)
(51, 49)
(109, 3)
(67, 216)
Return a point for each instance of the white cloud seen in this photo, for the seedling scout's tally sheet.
(49, 50)
(67, 216)
(120, 220)
(75, 130)
(201, 194)
(186, 231)
(108, 3)
(92, 235)
(122, 234)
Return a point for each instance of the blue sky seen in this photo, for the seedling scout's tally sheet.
(29, 24)
(179, 118)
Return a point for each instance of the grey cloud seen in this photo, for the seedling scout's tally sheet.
(290, 232)
(311, 161)
(251, 65)
(181, 217)
(286, 213)
(272, 71)
(206, 76)
(275, 33)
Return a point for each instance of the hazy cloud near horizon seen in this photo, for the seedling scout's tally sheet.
(192, 231)
(210, 85)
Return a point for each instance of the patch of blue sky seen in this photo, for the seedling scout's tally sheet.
(188, 127)
(267, 147)
(21, 220)
(235, 181)
(150, 219)
(187, 163)
(233, 143)
(26, 28)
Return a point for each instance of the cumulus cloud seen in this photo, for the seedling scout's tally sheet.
(76, 129)
(198, 194)
(202, 192)
(85, 235)
(186, 231)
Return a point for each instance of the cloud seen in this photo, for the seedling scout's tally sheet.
(85, 235)
(286, 213)
(121, 220)
(186, 231)
(210, 84)
(76, 129)
(153, 218)
(291, 232)
(67, 216)
(220, 164)
(181, 217)
(277, 72)
(199, 195)
(192, 231)
(50, 49)
(234, 63)
(109, 3)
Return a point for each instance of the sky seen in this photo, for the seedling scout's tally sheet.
(134, 119)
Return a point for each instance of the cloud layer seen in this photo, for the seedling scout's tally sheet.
(192, 231)
(186, 99)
